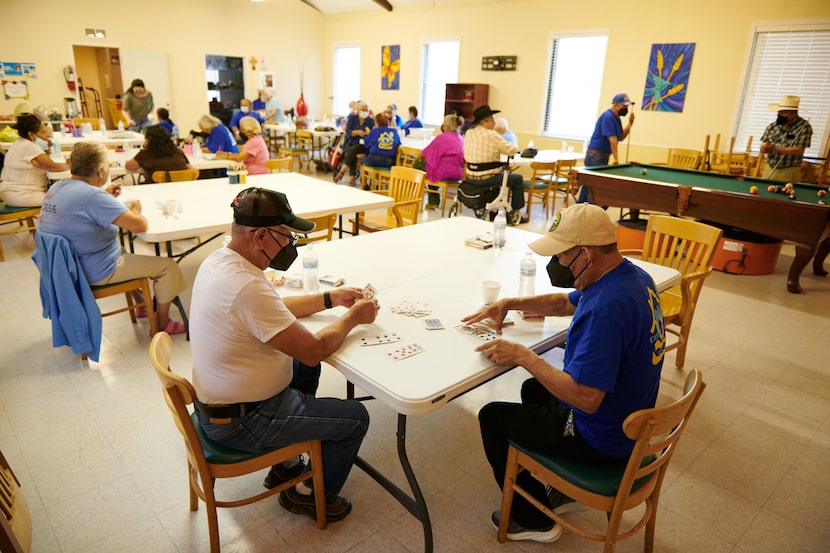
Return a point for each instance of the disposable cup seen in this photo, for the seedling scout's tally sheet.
(490, 291)
(170, 207)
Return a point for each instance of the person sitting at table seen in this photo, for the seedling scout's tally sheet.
(163, 116)
(243, 111)
(784, 141)
(381, 144)
(612, 364)
(268, 106)
(219, 137)
(391, 112)
(254, 152)
(444, 156)
(357, 127)
(88, 215)
(23, 178)
(159, 153)
(413, 122)
(502, 128)
(137, 106)
(256, 368)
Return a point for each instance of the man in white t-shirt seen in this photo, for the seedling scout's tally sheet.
(256, 368)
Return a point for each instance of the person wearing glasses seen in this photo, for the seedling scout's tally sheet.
(256, 367)
(612, 364)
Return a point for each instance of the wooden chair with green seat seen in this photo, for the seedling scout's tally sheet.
(407, 156)
(613, 489)
(442, 188)
(376, 178)
(24, 217)
(300, 150)
(208, 460)
(406, 188)
(279, 165)
(323, 229)
(683, 158)
(175, 176)
(687, 246)
(15, 518)
(538, 186)
(562, 185)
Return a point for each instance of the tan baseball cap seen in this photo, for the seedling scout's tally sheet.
(578, 225)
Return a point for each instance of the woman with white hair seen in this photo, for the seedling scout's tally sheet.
(254, 152)
(444, 156)
(272, 110)
(219, 137)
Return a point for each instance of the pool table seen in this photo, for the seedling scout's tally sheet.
(719, 198)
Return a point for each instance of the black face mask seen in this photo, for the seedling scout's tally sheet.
(561, 275)
(284, 258)
(781, 120)
(623, 112)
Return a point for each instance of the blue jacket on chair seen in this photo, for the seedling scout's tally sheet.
(66, 296)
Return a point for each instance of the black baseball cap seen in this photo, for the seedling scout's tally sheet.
(260, 207)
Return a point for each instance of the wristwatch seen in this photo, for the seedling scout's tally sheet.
(327, 300)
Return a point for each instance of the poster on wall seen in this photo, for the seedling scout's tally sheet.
(15, 89)
(667, 79)
(266, 80)
(17, 69)
(390, 67)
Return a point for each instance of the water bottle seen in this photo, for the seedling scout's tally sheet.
(500, 229)
(121, 126)
(310, 263)
(102, 125)
(527, 276)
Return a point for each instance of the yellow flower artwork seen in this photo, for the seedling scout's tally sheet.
(390, 68)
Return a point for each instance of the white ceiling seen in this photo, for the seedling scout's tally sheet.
(344, 6)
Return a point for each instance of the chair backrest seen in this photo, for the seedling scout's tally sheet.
(15, 518)
(304, 139)
(175, 176)
(406, 188)
(656, 432)
(543, 171)
(279, 164)
(94, 123)
(407, 155)
(323, 230)
(683, 158)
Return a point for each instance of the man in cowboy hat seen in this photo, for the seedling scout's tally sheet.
(785, 140)
(483, 147)
(256, 367)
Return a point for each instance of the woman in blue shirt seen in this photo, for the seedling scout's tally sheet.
(219, 137)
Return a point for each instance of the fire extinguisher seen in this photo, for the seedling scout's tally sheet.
(69, 76)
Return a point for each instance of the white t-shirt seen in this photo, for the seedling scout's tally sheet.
(234, 312)
(19, 175)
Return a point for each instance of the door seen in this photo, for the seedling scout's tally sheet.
(151, 67)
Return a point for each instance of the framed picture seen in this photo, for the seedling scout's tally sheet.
(390, 67)
(669, 68)
(266, 79)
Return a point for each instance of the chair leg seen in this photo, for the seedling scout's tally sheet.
(507, 492)
(177, 301)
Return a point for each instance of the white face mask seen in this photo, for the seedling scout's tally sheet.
(364, 114)
(244, 109)
(42, 143)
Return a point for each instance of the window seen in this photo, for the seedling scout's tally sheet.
(574, 80)
(346, 85)
(792, 61)
(440, 67)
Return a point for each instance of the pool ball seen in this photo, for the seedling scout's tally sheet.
(753, 189)
(644, 171)
(789, 185)
(771, 188)
(821, 202)
(778, 188)
(791, 196)
(821, 193)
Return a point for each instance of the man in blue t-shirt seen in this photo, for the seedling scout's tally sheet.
(608, 133)
(613, 358)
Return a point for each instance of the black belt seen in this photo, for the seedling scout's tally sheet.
(226, 411)
(597, 153)
(485, 166)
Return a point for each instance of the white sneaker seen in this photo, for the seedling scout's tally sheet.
(515, 532)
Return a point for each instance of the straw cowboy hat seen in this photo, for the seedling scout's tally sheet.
(787, 103)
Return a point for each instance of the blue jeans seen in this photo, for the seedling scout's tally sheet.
(591, 160)
(140, 125)
(296, 415)
(515, 183)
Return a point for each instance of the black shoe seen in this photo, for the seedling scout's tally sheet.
(562, 504)
(336, 507)
(515, 532)
(280, 475)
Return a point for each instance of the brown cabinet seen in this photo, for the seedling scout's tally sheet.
(465, 98)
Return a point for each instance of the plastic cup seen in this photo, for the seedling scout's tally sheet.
(170, 207)
(490, 291)
(233, 177)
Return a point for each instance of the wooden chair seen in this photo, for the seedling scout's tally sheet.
(323, 229)
(730, 162)
(93, 121)
(279, 165)
(614, 489)
(687, 246)
(683, 158)
(24, 217)
(442, 188)
(406, 187)
(16, 520)
(175, 176)
(407, 156)
(538, 186)
(301, 150)
(208, 460)
(561, 186)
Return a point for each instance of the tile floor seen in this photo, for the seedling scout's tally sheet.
(103, 468)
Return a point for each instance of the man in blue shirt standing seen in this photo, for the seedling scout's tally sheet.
(613, 358)
(608, 133)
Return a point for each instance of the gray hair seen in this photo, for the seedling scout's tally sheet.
(501, 124)
(249, 124)
(208, 121)
(87, 158)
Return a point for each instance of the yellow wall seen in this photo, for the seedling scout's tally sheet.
(288, 34)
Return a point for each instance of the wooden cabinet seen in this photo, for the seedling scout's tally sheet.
(465, 98)
(225, 85)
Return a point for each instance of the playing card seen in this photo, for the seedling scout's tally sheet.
(412, 309)
(404, 352)
(384, 338)
(478, 332)
(433, 324)
(369, 291)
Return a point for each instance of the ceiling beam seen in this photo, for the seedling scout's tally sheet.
(384, 4)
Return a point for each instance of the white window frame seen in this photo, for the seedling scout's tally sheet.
(340, 106)
(589, 108)
(424, 111)
(767, 88)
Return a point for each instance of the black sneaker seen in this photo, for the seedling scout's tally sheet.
(336, 507)
(515, 532)
(280, 475)
(562, 504)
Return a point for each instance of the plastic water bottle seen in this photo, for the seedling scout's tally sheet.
(102, 125)
(121, 126)
(500, 229)
(527, 276)
(310, 263)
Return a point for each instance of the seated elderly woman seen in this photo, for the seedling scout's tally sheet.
(89, 216)
(160, 153)
(357, 127)
(254, 152)
(444, 156)
(219, 137)
(381, 144)
(27, 161)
